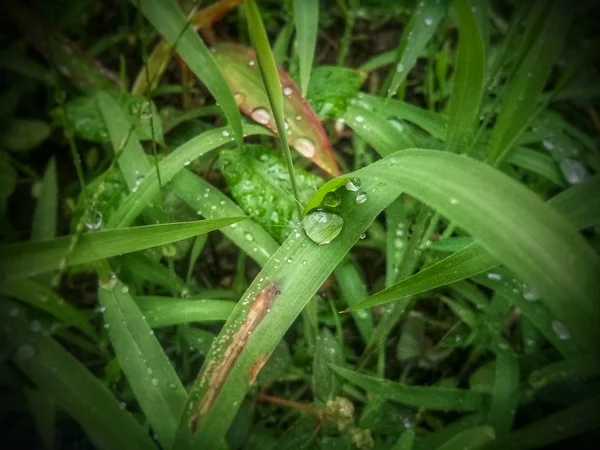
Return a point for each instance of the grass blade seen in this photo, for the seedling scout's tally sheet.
(72, 386)
(580, 203)
(44, 219)
(537, 162)
(417, 33)
(306, 17)
(165, 311)
(473, 438)
(429, 397)
(268, 70)
(467, 89)
(352, 290)
(505, 393)
(465, 263)
(169, 20)
(31, 258)
(152, 378)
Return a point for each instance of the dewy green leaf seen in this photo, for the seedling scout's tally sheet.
(165, 311)
(31, 258)
(153, 380)
(169, 20)
(429, 397)
(84, 117)
(417, 33)
(71, 385)
(467, 89)
(306, 17)
(325, 382)
(259, 182)
(331, 88)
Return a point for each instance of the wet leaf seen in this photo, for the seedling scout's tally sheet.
(325, 382)
(331, 88)
(259, 182)
(304, 132)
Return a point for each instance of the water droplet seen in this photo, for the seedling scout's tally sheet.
(287, 91)
(108, 283)
(573, 171)
(331, 200)
(454, 201)
(305, 146)
(363, 235)
(398, 244)
(172, 386)
(251, 62)
(154, 382)
(400, 67)
(298, 117)
(548, 145)
(125, 289)
(24, 352)
(360, 119)
(428, 21)
(561, 330)
(239, 98)
(353, 184)
(397, 125)
(322, 226)
(530, 294)
(123, 405)
(494, 276)
(261, 115)
(107, 325)
(225, 133)
(94, 220)
(186, 162)
(361, 197)
(248, 236)
(35, 326)
(146, 111)
(14, 312)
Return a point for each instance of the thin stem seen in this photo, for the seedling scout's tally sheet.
(307, 407)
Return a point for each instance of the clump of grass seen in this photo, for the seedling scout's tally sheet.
(418, 269)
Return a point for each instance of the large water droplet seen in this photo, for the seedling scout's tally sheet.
(561, 330)
(322, 226)
(331, 200)
(108, 283)
(573, 171)
(361, 197)
(494, 276)
(94, 220)
(304, 146)
(353, 184)
(530, 294)
(428, 21)
(287, 91)
(35, 326)
(261, 115)
(24, 352)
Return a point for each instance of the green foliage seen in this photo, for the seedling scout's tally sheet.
(331, 88)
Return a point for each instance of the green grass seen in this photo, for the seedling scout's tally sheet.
(420, 273)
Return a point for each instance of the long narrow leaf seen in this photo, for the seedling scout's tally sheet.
(306, 16)
(165, 311)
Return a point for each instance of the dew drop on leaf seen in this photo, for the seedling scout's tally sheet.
(331, 200)
(530, 293)
(261, 115)
(94, 220)
(304, 146)
(24, 352)
(287, 91)
(361, 197)
(322, 226)
(353, 184)
(561, 330)
(573, 171)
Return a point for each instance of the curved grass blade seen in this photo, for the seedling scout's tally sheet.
(153, 380)
(467, 89)
(580, 203)
(576, 368)
(42, 297)
(306, 17)
(169, 20)
(417, 33)
(71, 386)
(465, 263)
(529, 80)
(405, 442)
(352, 290)
(304, 130)
(31, 258)
(146, 268)
(165, 311)
(429, 397)
(537, 162)
(44, 218)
